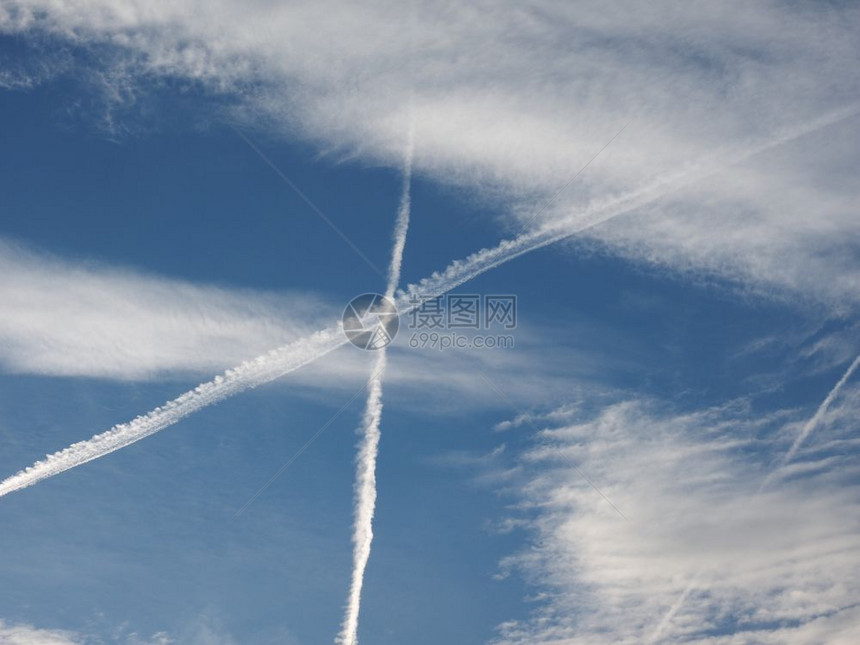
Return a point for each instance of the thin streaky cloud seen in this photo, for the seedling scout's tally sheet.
(308, 201)
(306, 445)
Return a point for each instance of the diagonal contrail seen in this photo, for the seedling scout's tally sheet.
(812, 424)
(290, 357)
(670, 614)
(819, 413)
(248, 375)
(600, 211)
(365, 475)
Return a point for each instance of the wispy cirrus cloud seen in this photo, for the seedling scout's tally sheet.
(509, 100)
(63, 317)
(776, 567)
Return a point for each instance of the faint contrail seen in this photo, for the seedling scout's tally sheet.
(365, 475)
(667, 618)
(804, 433)
(290, 357)
(819, 413)
(813, 422)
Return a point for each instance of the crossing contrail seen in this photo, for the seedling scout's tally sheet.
(286, 359)
(365, 475)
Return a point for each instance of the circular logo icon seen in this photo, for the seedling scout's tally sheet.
(370, 321)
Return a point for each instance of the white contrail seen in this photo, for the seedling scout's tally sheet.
(290, 357)
(401, 225)
(365, 475)
(250, 374)
(365, 501)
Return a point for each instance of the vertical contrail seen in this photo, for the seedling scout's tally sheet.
(290, 357)
(401, 225)
(365, 500)
(365, 475)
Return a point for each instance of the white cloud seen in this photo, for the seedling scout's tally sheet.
(701, 558)
(23, 634)
(509, 100)
(70, 318)
(202, 631)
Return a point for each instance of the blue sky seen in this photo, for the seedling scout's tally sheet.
(618, 476)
